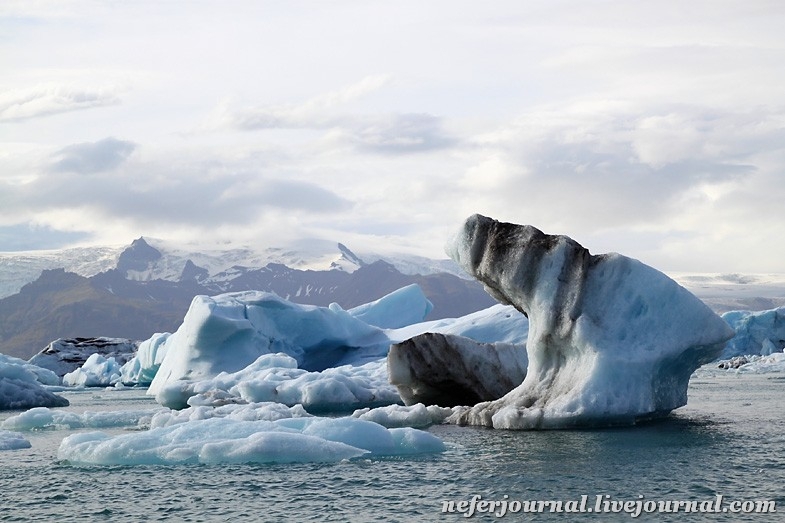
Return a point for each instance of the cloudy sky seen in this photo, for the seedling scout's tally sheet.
(655, 129)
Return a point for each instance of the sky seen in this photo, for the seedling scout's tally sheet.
(653, 129)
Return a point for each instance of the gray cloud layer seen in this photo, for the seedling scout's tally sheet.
(91, 158)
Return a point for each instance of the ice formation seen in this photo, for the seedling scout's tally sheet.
(450, 370)
(227, 440)
(275, 377)
(757, 333)
(262, 411)
(66, 355)
(611, 340)
(13, 440)
(256, 346)
(393, 416)
(142, 368)
(22, 385)
(44, 418)
(97, 371)
(225, 333)
(400, 308)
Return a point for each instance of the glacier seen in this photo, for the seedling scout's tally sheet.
(610, 341)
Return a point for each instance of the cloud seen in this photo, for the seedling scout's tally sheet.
(387, 133)
(675, 175)
(316, 112)
(398, 133)
(28, 237)
(92, 157)
(201, 192)
(300, 195)
(48, 100)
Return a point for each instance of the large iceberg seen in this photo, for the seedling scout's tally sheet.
(610, 340)
(256, 346)
(228, 332)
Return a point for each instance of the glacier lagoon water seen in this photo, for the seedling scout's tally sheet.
(729, 440)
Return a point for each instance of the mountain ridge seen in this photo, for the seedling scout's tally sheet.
(128, 301)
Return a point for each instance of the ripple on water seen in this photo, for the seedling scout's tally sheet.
(727, 441)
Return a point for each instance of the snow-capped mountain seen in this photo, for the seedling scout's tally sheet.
(20, 268)
(147, 286)
(148, 259)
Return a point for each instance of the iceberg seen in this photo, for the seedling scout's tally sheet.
(228, 332)
(22, 385)
(395, 416)
(226, 440)
(142, 368)
(400, 308)
(65, 355)
(13, 441)
(97, 371)
(43, 418)
(450, 370)
(757, 333)
(255, 347)
(262, 411)
(610, 341)
(276, 378)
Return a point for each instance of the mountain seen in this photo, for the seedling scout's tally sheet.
(151, 286)
(147, 286)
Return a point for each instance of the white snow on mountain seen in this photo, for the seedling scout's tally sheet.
(20, 268)
(722, 292)
(222, 262)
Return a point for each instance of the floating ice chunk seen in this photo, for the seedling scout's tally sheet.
(276, 378)
(97, 371)
(44, 418)
(406, 306)
(21, 386)
(392, 416)
(761, 332)
(756, 364)
(450, 370)
(376, 439)
(267, 411)
(141, 369)
(226, 440)
(42, 375)
(12, 441)
(610, 340)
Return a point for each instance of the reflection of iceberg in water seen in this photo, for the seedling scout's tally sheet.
(611, 340)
